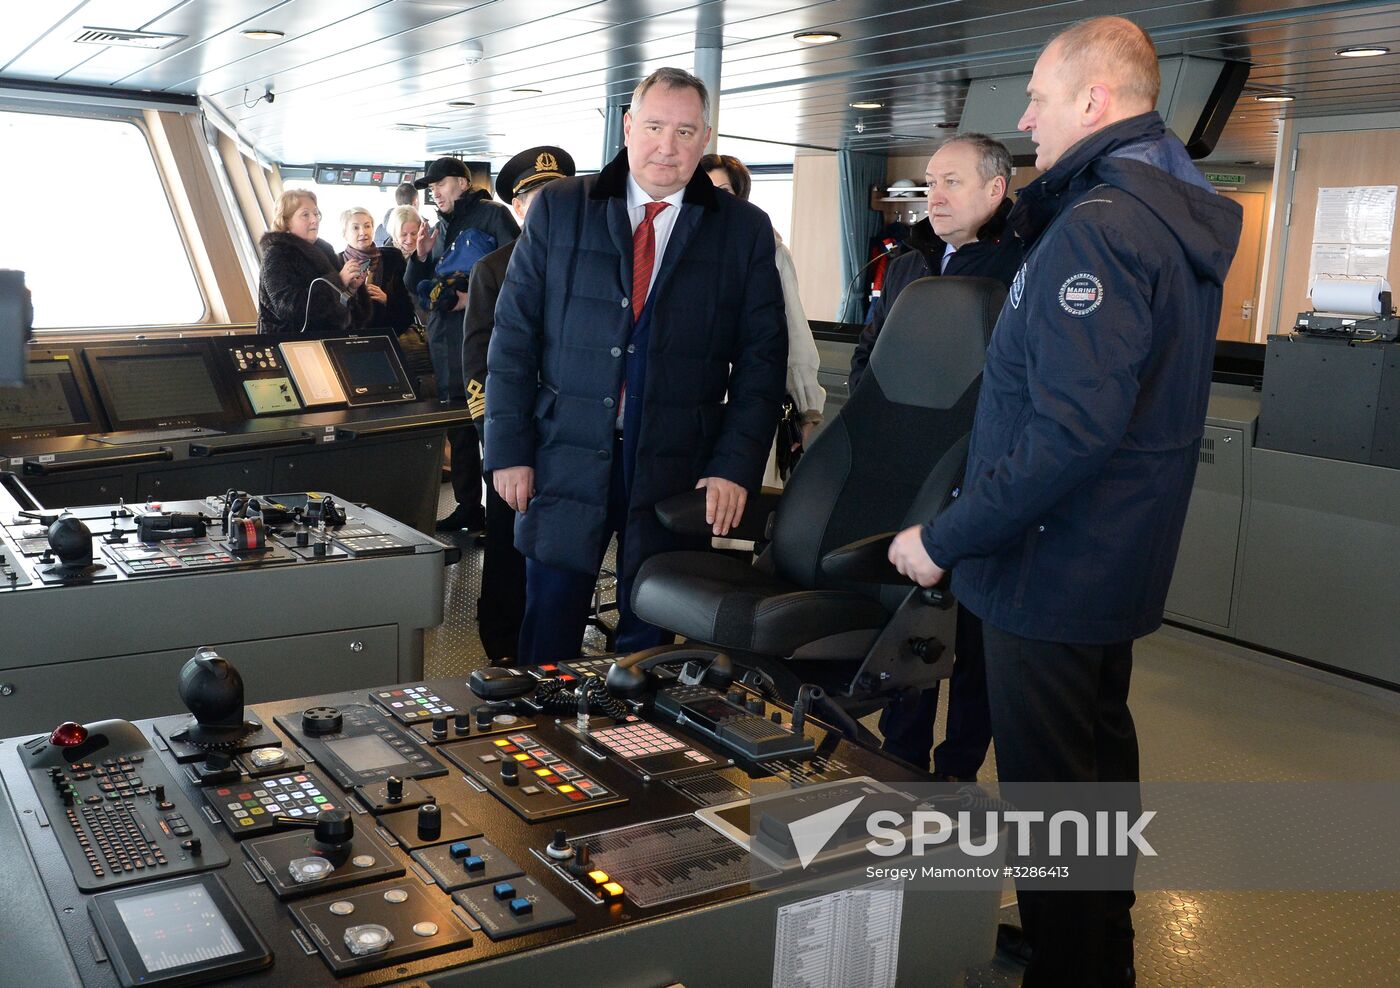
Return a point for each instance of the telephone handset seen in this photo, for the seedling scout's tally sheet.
(628, 677)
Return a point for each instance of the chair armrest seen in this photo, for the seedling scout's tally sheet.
(684, 514)
(868, 561)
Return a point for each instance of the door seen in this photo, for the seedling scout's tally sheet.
(1242, 283)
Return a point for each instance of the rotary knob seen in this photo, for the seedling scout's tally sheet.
(321, 720)
(429, 822)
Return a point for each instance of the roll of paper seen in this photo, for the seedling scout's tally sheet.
(1352, 298)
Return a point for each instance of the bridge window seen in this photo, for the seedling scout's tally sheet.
(89, 223)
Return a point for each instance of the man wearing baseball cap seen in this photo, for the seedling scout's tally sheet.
(501, 606)
(463, 214)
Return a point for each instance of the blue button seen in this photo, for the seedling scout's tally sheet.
(609, 402)
(625, 303)
(616, 351)
(503, 890)
(474, 862)
(460, 849)
(521, 907)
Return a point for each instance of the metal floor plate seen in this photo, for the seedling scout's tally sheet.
(1204, 710)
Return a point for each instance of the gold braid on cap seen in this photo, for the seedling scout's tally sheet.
(546, 166)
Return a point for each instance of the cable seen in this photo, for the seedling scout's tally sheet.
(557, 697)
(344, 299)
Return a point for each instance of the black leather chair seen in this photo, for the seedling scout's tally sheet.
(822, 604)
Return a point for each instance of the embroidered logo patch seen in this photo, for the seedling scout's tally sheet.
(1081, 294)
(1018, 287)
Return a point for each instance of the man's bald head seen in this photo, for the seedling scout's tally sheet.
(1112, 51)
(1090, 76)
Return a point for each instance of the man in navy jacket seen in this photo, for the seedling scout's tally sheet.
(611, 390)
(964, 233)
(1084, 448)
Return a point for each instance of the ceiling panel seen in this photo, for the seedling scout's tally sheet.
(347, 71)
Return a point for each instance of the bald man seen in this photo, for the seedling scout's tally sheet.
(1083, 453)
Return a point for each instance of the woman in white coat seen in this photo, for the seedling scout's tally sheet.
(728, 173)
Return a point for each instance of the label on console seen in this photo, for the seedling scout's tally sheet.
(846, 939)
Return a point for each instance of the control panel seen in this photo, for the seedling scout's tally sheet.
(115, 809)
(390, 833)
(266, 384)
(48, 548)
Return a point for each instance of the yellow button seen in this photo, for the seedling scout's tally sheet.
(245, 822)
(542, 772)
(256, 810)
(598, 877)
(520, 756)
(613, 889)
(565, 788)
(500, 742)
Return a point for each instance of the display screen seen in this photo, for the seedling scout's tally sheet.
(363, 178)
(141, 387)
(366, 368)
(365, 754)
(177, 927)
(49, 398)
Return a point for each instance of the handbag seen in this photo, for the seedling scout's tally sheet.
(789, 439)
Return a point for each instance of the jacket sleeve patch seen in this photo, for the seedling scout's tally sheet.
(1081, 294)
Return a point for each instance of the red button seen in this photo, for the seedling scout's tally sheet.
(575, 796)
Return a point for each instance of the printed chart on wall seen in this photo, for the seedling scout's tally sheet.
(1352, 232)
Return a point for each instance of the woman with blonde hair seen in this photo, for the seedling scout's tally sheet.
(391, 311)
(404, 225)
(303, 288)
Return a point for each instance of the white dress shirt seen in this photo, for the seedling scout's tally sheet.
(664, 223)
(948, 251)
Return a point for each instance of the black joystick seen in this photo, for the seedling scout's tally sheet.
(71, 542)
(484, 717)
(429, 822)
(335, 830)
(393, 789)
(510, 771)
(212, 690)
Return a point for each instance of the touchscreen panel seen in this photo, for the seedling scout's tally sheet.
(365, 753)
(50, 402)
(177, 927)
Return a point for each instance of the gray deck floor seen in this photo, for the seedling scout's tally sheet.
(1205, 710)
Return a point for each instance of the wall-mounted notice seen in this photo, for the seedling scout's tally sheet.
(1352, 232)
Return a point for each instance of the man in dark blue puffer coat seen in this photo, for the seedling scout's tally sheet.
(640, 351)
(1083, 451)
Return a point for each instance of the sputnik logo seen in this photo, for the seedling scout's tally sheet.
(811, 833)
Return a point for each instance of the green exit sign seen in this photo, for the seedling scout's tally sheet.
(1224, 178)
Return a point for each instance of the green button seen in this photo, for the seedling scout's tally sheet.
(319, 799)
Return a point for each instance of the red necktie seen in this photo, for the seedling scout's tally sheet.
(644, 257)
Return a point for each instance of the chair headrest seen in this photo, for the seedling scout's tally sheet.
(934, 340)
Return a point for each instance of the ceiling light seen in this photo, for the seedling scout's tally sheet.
(1274, 98)
(460, 104)
(816, 37)
(495, 135)
(262, 34)
(1363, 51)
(528, 92)
(866, 105)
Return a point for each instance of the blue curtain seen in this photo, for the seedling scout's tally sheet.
(856, 172)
